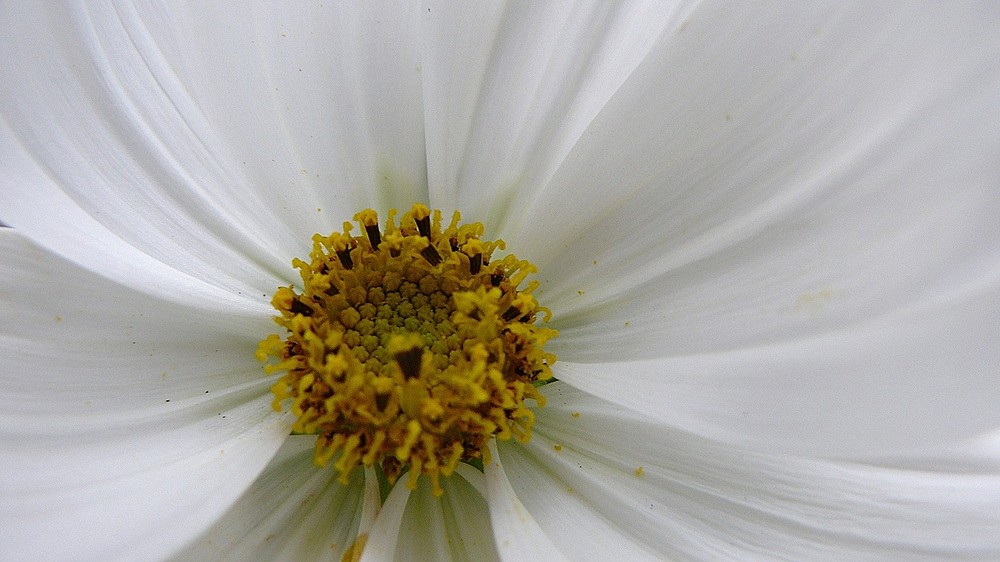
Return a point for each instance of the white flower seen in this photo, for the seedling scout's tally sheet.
(769, 237)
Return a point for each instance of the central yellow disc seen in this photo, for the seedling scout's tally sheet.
(409, 346)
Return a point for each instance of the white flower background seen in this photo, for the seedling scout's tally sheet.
(770, 235)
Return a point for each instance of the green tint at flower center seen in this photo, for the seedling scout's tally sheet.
(409, 346)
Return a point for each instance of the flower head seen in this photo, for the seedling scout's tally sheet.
(767, 237)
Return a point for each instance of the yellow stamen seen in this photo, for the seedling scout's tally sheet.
(409, 346)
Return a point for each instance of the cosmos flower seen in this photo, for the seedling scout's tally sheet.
(768, 237)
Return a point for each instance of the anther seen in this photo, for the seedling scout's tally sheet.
(408, 351)
(369, 220)
(422, 216)
(299, 307)
(342, 246)
(394, 242)
(474, 249)
(431, 254)
(345, 258)
(511, 313)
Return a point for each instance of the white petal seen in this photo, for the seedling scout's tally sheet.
(294, 511)
(121, 415)
(384, 536)
(372, 502)
(819, 166)
(910, 379)
(130, 493)
(509, 88)
(80, 345)
(120, 152)
(322, 101)
(78, 236)
(518, 534)
(454, 526)
(694, 499)
(134, 136)
(803, 228)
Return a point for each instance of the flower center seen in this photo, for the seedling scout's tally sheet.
(409, 346)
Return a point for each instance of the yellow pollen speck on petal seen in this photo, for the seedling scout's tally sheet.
(639, 471)
(409, 346)
(353, 554)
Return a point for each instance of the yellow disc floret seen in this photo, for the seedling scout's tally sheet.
(409, 346)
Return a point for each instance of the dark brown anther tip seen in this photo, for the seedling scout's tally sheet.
(431, 254)
(374, 236)
(299, 307)
(345, 258)
(424, 226)
(409, 362)
(511, 313)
